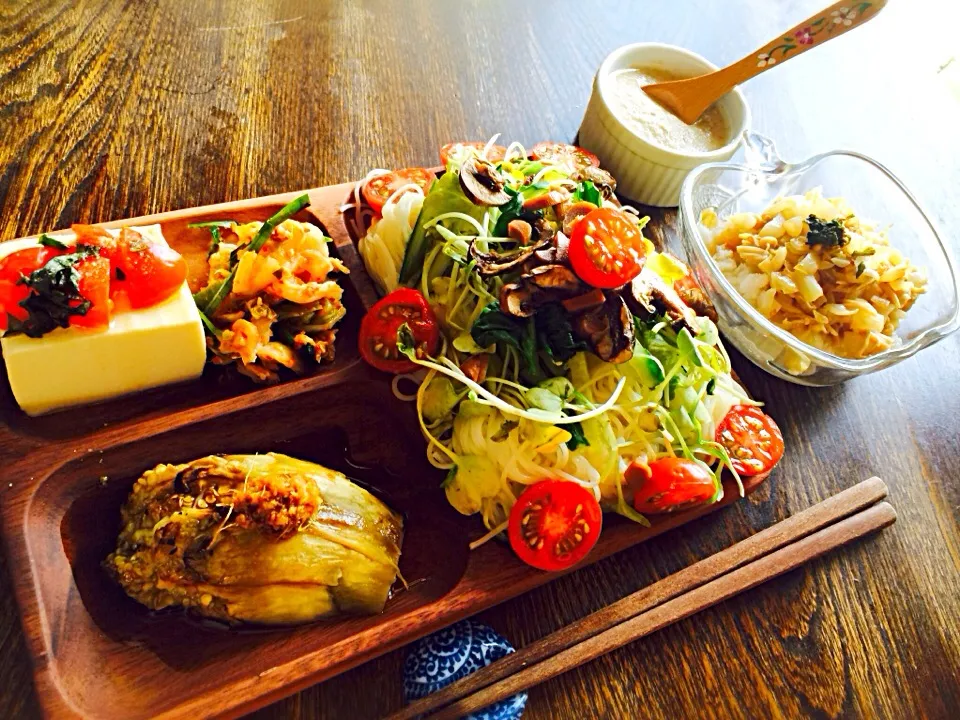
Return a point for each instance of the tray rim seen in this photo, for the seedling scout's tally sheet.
(249, 693)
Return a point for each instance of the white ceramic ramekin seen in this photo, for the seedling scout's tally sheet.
(647, 172)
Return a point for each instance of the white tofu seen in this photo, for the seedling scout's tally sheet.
(141, 349)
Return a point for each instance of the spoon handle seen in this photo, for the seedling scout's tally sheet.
(821, 27)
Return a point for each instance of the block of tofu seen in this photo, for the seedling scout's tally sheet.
(141, 349)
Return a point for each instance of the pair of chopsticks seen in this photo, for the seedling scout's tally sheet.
(830, 524)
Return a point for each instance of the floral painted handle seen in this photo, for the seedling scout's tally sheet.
(816, 30)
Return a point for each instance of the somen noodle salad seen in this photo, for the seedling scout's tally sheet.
(565, 366)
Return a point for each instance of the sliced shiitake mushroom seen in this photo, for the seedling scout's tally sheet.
(607, 329)
(482, 183)
(694, 296)
(489, 263)
(558, 278)
(544, 284)
(648, 295)
(519, 299)
(557, 252)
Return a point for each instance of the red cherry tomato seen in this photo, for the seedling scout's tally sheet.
(12, 268)
(606, 248)
(554, 524)
(669, 484)
(378, 330)
(377, 190)
(494, 154)
(562, 152)
(94, 286)
(752, 439)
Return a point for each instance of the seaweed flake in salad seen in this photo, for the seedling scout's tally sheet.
(564, 364)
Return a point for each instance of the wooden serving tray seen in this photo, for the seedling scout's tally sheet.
(98, 654)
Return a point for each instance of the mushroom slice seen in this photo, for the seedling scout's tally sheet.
(608, 330)
(648, 294)
(518, 299)
(489, 263)
(482, 183)
(573, 212)
(604, 181)
(557, 252)
(558, 278)
(694, 296)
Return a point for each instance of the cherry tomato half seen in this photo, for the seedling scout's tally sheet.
(378, 330)
(669, 484)
(606, 248)
(562, 152)
(377, 190)
(752, 439)
(494, 154)
(554, 524)
(94, 286)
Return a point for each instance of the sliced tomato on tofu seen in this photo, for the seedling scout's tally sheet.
(12, 268)
(94, 288)
(572, 155)
(669, 484)
(494, 154)
(378, 189)
(146, 272)
(606, 248)
(752, 439)
(142, 272)
(554, 524)
(378, 330)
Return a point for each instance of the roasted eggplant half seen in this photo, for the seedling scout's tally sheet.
(263, 539)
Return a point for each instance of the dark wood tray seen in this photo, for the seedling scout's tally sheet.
(98, 654)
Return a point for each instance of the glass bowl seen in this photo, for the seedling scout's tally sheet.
(876, 194)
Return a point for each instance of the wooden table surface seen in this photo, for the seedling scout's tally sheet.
(114, 109)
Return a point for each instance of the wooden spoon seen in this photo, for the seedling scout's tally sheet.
(687, 99)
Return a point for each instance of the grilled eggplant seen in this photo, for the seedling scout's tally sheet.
(256, 538)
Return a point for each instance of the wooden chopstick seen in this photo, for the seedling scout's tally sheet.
(779, 536)
(726, 586)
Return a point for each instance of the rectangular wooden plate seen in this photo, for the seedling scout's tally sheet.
(97, 653)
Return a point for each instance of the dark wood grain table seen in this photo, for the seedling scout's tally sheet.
(115, 109)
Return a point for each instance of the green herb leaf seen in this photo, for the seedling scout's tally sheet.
(209, 299)
(54, 294)
(860, 268)
(555, 334)
(48, 241)
(212, 224)
(208, 323)
(509, 211)
(587, 192)
(214, 241)
(825, 233)
(494, 327)
(578, 438)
